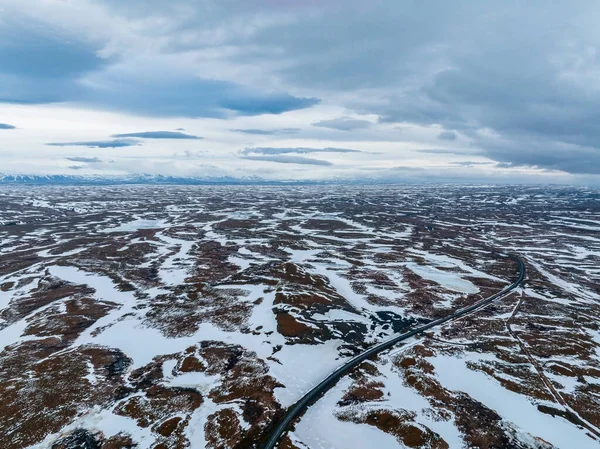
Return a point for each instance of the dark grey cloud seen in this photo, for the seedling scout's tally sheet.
(40, 63)
(267, 132)
(285, 159)
(158, 135)
(299, 150)
(343, 124)
(6, 126)
(116, 143)
(447, 135)
(474, 67)
(37, 51)
(188, 96)
(545, 154)
(249, 103)
(87, 160)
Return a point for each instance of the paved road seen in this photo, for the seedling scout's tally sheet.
(313, 395)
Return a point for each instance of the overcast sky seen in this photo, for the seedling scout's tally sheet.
(490, 91)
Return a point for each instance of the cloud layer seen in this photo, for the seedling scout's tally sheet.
(492, 87)
(43, 62)
(343, 124)
(285, 159)
(115, 143)
(270, 150)
(158, 135)
(267, 132)
(86, 160)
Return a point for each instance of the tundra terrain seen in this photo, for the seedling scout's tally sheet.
(171, 317)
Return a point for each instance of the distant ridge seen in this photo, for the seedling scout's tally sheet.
(148, 179)
(24, 179)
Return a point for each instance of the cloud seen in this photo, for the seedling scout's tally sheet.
(182, 95)
(6, 126)
(485, 175)
(527, 81)
(267, 132)
(343, 124)
(545, 154)
(518, 88)
(194, 154)
(87, 160)
(42, 62)
(158, 135)
(116, 143)
(449, 151)
(300, 150)
(37, 50)
(288, 160)
(256, 103)
(471, 163)
(447, 135)
(404, 168)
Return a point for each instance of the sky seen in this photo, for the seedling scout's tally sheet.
(476, 91)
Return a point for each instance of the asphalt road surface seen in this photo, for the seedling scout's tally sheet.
(313, 395)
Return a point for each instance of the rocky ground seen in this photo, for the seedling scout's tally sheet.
(176, 317)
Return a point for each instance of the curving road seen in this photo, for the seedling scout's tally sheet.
(313, 395)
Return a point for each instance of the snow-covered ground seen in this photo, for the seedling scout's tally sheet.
(193, 316)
